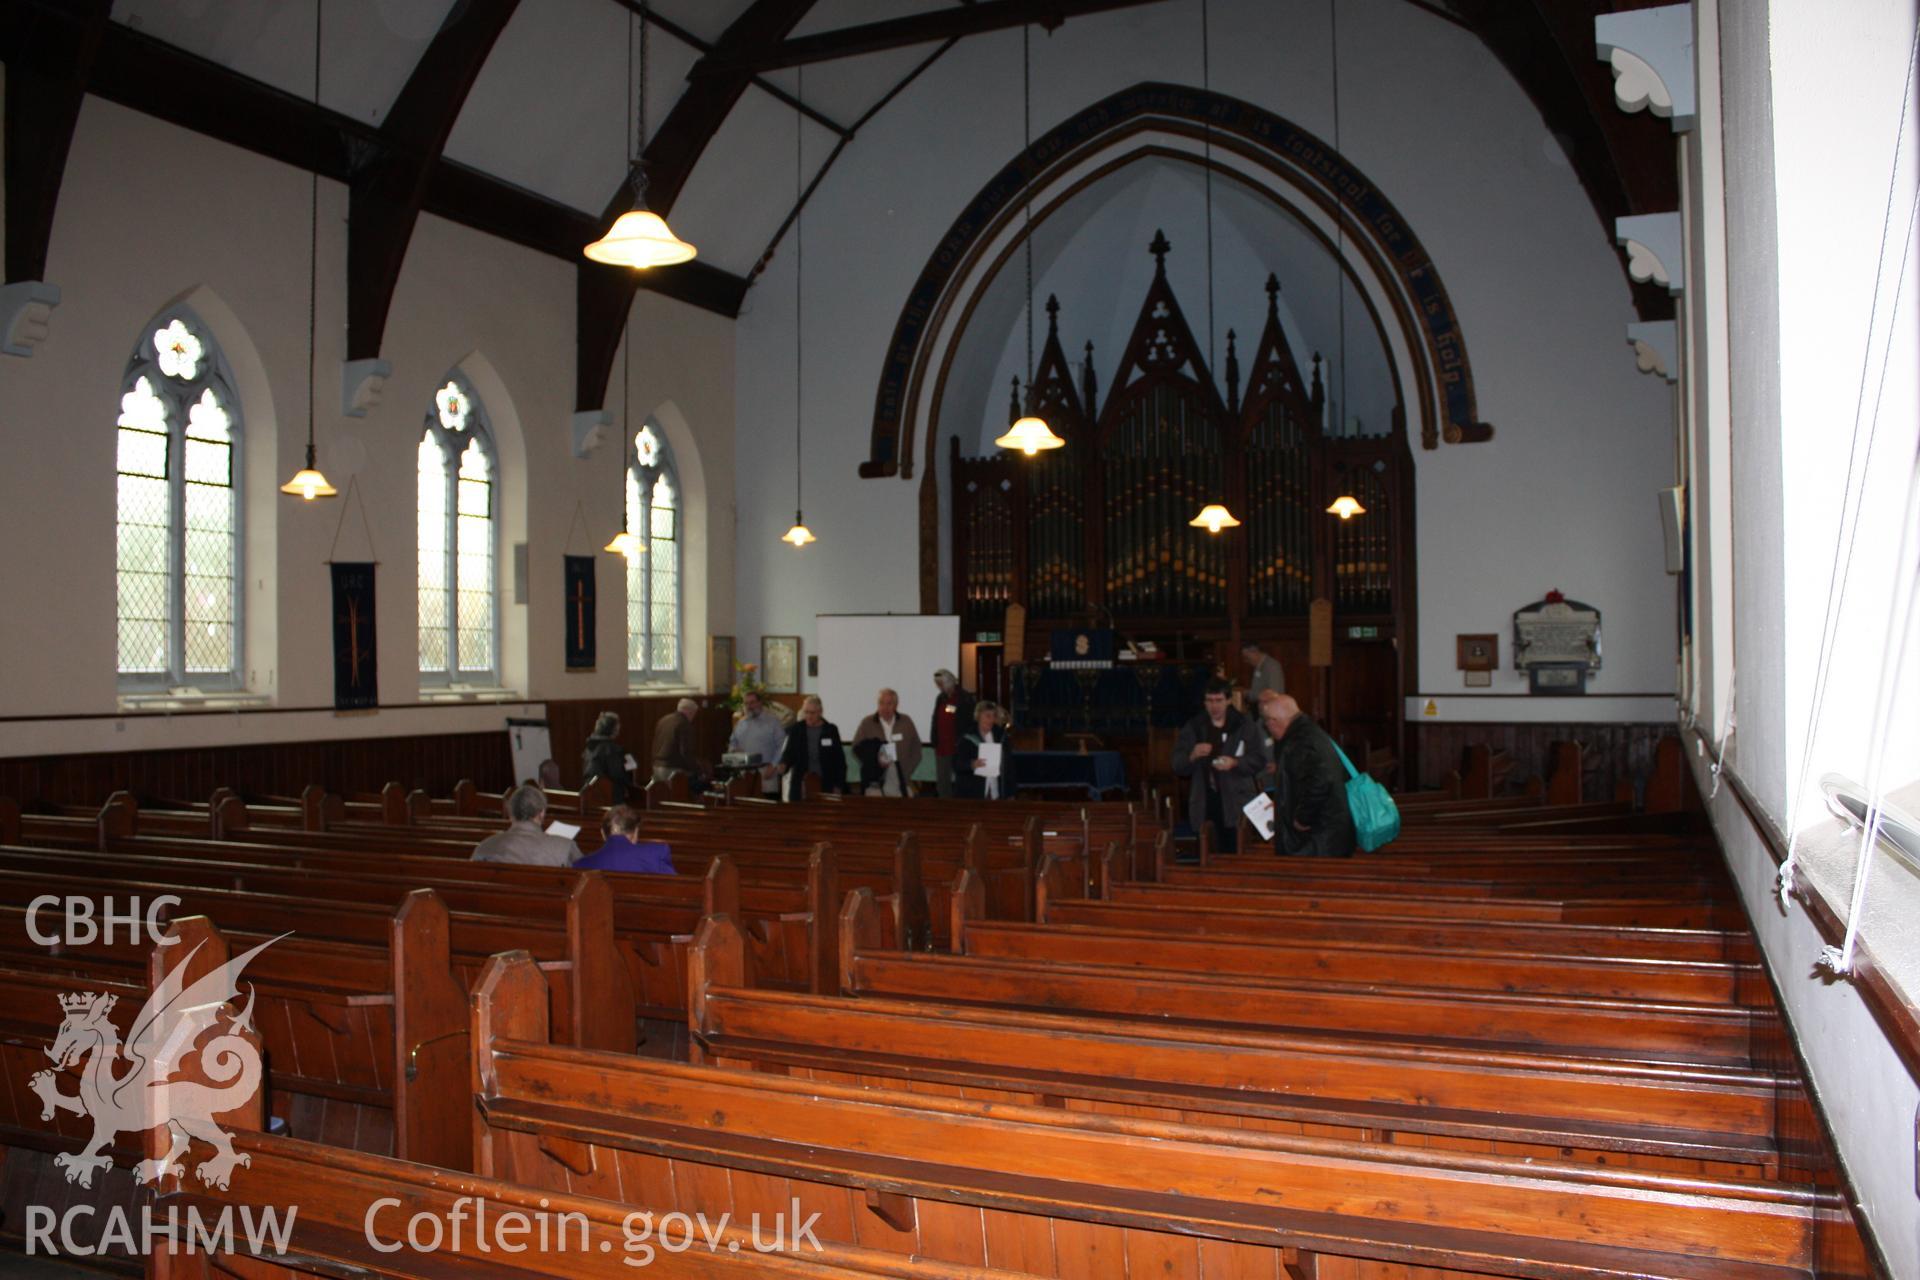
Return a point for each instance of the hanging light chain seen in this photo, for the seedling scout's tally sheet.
(1339, 216)
(799, 252)
(1026, 133)
(313, 243)
(1206, 142)
(637, 148)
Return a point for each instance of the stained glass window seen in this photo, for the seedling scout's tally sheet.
(177, 546)
(457, 587)
(653, 573)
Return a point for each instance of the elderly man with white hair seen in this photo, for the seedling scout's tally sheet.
(888, 747)
(525, 841)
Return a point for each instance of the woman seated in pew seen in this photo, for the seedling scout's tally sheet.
(623, 850)
(984, 775)
(813, 746)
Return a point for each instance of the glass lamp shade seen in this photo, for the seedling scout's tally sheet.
(625, 543)
(1030, 435)
(799, 535)
(308, 483)
(640, 238)
(1346, 507)
(1213, 518)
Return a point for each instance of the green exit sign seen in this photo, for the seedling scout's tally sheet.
(987, 637)
(1363, 633)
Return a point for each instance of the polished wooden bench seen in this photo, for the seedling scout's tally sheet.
(975, 1181)
(1716, 1120)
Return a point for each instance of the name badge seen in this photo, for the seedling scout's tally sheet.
(826, 742)
(899, 737)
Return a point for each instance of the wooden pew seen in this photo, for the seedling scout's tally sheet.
(1636, 1030)
(1715, 1120)
(977, 1181)
(334, 1193)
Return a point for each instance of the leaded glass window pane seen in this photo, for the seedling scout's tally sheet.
(636, 581)
(433, 555)
(177, 539)
(663, 550)
(457, 585)
(653, 573)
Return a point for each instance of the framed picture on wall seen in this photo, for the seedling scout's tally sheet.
(719, 664)
(780, 663)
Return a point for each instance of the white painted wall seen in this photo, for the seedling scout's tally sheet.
(150, 213)
(1804, 98)
(1563, 496)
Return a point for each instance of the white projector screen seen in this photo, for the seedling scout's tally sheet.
(862, 653)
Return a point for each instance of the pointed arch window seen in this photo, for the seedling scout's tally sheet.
(177, 556)
(653, 575)
(458, 591)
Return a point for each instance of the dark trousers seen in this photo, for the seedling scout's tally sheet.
(1225, 834)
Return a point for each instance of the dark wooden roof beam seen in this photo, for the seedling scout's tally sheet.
(389, 191)
(897, 33)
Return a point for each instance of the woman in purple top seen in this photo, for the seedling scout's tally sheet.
(621, 852)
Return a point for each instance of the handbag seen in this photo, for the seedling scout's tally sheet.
(1376, 818)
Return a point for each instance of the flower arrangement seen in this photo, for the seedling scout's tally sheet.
(746, 679)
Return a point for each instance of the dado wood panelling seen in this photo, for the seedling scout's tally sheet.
(354, 765)
(1610, 753)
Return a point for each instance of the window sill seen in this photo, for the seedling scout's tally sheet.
(661, 690)
(470, 693)
(1886, 962)
(193, 700)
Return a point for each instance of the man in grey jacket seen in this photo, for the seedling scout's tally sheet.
(525, 841)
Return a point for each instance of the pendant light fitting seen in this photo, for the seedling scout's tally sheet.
(1213, 517)
(309, 483)
(1346, 506)
(1030, 434)
(639, 238)
(798, 536)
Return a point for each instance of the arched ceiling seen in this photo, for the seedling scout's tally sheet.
(511, 115)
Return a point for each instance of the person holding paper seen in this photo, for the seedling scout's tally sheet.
(1221, 753)
(526, 840)
(983, 763)
(1311, 819)
(888, 747)
(813, 746)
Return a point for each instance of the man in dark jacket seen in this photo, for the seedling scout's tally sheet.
(969, 782)
(813, 746)
(1221, 751)
(1310, 817)
(605, 757)
(951, 721)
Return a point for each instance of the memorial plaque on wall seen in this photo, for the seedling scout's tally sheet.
(1556, 641)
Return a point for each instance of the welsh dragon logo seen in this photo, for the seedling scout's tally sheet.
(145, 1096)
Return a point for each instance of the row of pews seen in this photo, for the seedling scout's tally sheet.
(958, 1039)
